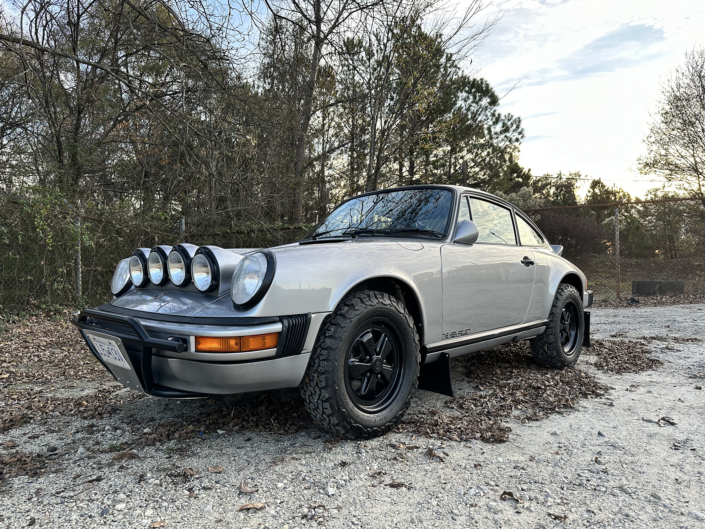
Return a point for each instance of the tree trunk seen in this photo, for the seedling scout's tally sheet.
(298, 212)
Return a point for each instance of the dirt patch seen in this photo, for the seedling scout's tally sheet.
(622, 356)
(507, 384)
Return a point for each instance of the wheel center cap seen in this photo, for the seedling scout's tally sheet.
(377, 365)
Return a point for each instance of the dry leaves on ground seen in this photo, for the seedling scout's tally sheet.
(622, 356)
(21, 464)
(27, 404)
(42, 349)
(275, 412)
(650, 301)
(507, 384)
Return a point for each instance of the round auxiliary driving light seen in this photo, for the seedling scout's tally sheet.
(120, 283)
(156, 268)
(202, 273)
(178, 273)
(137, 271)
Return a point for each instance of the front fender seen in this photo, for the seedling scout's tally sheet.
(314, 278)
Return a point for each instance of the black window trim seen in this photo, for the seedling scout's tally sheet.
(523, 216)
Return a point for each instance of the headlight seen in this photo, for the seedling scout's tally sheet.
(120, 282)
(178, 273)
(203, 273)
(251, 279)
(156, 267)
(138, 274)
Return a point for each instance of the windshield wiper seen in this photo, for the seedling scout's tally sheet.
(417, 230)
(354, 232)
(317, 235)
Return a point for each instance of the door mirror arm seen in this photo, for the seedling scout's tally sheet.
(466, 233)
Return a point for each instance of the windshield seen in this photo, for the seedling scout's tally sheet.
(421, 212)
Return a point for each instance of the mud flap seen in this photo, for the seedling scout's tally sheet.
(436, 376)
(586, 332)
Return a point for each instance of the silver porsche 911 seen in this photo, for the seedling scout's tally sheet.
(366, 308)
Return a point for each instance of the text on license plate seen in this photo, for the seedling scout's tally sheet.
(109, 350)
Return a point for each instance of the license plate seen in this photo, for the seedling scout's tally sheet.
(110, 350)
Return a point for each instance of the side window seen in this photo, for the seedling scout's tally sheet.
(494, 222)
(528, 235)
(464, 213)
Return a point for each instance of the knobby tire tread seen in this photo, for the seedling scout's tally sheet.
(319, 388)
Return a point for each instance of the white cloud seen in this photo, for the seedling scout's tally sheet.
(590, 73)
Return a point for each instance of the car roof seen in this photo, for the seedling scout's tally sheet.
(458, 189)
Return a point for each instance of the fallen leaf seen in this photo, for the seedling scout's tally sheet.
(666, 420)
(508, 495)
(255, 506)
(559, 517)
(215, 470)
(160, 523)
(189, 472)
(397, 485)
(433, 454)
(245, 489)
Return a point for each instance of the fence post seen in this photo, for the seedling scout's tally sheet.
(616, 250)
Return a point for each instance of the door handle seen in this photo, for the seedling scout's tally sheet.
(527, 262)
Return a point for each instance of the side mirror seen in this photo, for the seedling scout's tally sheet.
(466, 233)
(557, 249)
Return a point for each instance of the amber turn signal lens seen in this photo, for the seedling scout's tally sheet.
(259, 341)
(236, 344)
(217, 345)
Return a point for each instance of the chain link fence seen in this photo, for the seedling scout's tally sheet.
(632, 249)
(55, 255)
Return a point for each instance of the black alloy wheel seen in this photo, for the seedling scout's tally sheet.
(373, 368)
(568, 327)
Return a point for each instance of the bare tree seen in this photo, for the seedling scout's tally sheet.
(676, 141)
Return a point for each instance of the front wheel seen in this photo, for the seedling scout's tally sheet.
(364, 366)
(560, 344)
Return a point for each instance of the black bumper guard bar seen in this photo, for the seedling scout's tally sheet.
(142, 339)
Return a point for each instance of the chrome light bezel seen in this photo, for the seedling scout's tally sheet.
(159, 252)
(213, 266)
(123, 284)
(264, 284)
(140, 255)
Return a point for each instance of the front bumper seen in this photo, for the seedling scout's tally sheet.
(161, 361)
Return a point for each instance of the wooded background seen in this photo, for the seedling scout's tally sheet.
(252, 120)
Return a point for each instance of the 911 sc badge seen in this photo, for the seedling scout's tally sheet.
(456, 334)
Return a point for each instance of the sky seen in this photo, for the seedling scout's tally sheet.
(589, 74)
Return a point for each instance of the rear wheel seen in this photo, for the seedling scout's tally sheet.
(560, 344)
(364, 366)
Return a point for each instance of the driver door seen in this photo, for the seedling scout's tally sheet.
(486, 285)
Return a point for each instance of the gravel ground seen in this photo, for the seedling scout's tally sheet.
(629, 456)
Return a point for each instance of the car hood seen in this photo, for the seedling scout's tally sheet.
(309, 278)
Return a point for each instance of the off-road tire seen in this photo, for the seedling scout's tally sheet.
(546, 348)
(324, 389)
